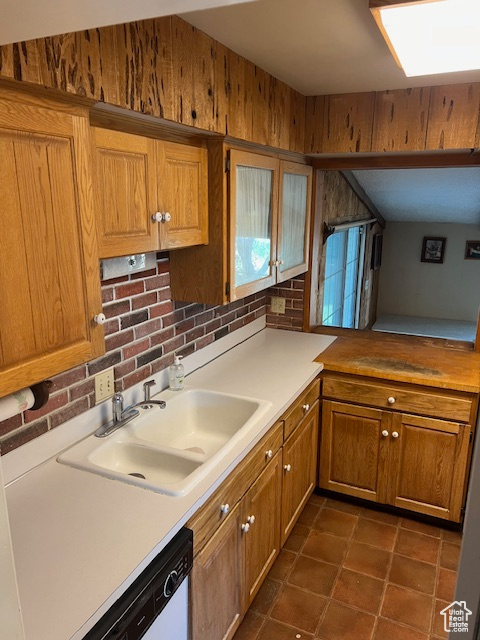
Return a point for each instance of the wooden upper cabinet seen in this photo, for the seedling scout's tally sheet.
(125, 192)
(182, 191)
(139, 177)
(260, 209)
(253, 222)
(49, 271)
(428, 465)
(294, 219)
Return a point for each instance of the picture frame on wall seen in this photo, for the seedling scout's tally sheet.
(472, 250)
(433, 250)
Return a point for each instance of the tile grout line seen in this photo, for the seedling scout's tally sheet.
(339, 571)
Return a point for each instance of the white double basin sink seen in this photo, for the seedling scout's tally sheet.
(169, 450)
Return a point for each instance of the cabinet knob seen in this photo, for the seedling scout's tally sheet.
(306, 407)
(384, 433)
(100, 318)
(269, 454)
(287, 467)
(282, 261)
(251, 519)
(391, 400)
(225, 508)
(246, 527)
(395, 434)
(161, 217)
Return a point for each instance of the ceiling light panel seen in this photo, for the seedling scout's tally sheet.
(439, 36)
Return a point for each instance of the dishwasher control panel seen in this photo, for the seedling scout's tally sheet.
(135, 611)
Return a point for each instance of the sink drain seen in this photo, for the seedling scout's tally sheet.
(137, 475)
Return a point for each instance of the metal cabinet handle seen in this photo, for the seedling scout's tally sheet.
(395, 434)
(391, 400)
(225, 508)
(384, 433)
(287, 467)
(251, 519)
(100, 318)
(269, 454)
(306, 407)
(246, 527)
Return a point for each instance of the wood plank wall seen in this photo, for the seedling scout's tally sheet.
(421, 119)
(165, 68)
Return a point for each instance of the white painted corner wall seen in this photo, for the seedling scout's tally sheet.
(410, 287)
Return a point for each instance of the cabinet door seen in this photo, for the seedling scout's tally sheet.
(48, 260)
(125, 193)
(294, 219)
(253, 222)
(353, 450)
(262, 542)
(183, 193)
(299, 469)
(217, 583)
(428, 465)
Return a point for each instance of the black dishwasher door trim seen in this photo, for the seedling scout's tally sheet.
(133, 613)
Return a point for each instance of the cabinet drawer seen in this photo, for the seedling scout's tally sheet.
(209, 517)
(299, 409)
(396, 398)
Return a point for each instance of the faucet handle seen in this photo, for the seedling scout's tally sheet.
(146, 389)
(117, 406)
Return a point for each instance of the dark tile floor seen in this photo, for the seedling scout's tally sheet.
(352, 573)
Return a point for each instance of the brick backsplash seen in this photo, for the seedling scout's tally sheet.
(144, 328)
(294, 293)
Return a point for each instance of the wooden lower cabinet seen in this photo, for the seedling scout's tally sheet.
(262, 542)
(407, 461)
(353, 450)
(217, 583)
(231, 567)
(428, 460)
(299, 469)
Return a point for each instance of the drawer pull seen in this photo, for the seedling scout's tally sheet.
(306, 407)
(391, 400)
(225, 508)
(287, 467)
(251, 519)
(246, 527)
(384, 433)
(395, 434)
(269, 453)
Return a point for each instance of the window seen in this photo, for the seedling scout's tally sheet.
(343, 275)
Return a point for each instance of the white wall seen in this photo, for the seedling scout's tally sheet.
(10, 617)
(412, 288)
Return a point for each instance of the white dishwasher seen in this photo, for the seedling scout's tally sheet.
(155, 606)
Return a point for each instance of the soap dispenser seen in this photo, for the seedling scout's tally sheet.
(176, 374)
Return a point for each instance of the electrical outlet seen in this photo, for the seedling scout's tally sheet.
(104, 385)
(278, 305)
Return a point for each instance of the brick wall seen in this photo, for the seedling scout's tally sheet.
(294, 293)
(144, 328)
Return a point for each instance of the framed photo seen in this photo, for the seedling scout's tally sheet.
(472, 250)
(433, 250)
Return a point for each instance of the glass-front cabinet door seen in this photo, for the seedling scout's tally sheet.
(253, 222)
(294, 219)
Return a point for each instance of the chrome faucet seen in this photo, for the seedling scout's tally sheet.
(122, 416)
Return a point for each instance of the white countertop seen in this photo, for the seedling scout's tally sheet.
(80, 539)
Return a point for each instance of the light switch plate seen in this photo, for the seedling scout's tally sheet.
(104, 385)
(278, 305)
